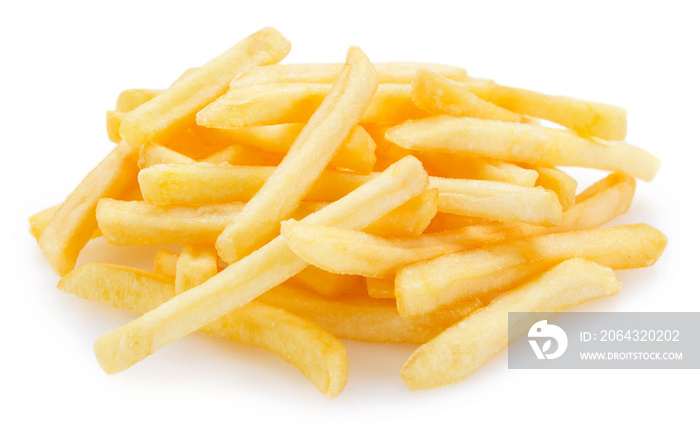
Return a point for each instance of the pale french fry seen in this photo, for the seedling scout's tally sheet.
(195, 265)
(437, 95)
(130, 99)
(165, 262)
(523, 143)
(74, 223)
(424, 287)
(255, 274)
(327, 284)
(387, 72)
(308, 156)
(465, 347)
(244, 156)
(278, 103)
(312, 350)
(355, 153)
(174, 110)
(585, 117)
(362, 318)
(558, 181)
(114, 120)
(499, 201)
(380, 288)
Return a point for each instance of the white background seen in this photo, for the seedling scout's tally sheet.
(63, 64)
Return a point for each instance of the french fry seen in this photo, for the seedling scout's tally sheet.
(445, 221)
(409, 219)
(114, 121)
(356, 153)
(39, 221)
(558, 181)
(380, 288)
(585, 117)
(130, 99)
(424, 287)
(461, 166)
(361, 318)
(255, 274)
(174, 110)
(327, 284)
(437, 95)
(498, 201)
(195, 265)
(387, 72)
(462, 349)
(523, 143)
(154, 154)
(74, 223)
(352, 252)
(308, 156)
(244, 156)
(278, 103)
(165, 262)
(312, 350)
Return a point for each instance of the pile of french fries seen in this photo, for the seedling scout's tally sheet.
(387, 202)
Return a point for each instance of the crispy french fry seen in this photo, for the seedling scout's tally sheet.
(74, 223)
(255, 274)
(356, 153)
(315, 352)
(195, 265)
(352, 252)
(174, 110)
(424, 287)
(380, 288)
(558, 181)
(463, 348)
(130, 99)
(165, 262)
(585, 117)
(308, 156)
(437, 95)
(39, 221)
(278, 103)
(409, 219)
(327, 284)
(387, 72)
(523, 143)
(498, 201)
(362, 318)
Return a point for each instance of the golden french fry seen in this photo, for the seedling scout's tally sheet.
(114, 120)
(327, 284)
(424, 287)
(461, 166)
(255, 274)
(308, 156)
(445, 221)
(174, 110)
(585, 117)
(380, 288)
(244, 156)
(362, 318)
(356, 153)
(312, 350)
(558, 181)
(499, 201)
(278, 103)
(74, 223)
(195, 265)
(523, 143)
(165, 262)
(39, 221)
(387, 72)
(409, 219)
(130, 99)
(462, 349)
(154, 154)
(437, 95)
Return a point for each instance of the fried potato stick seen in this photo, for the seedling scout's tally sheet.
(465, 347)
(312, 350)
(255, 274)
(308, 156)
(174, 110)
(74, 223)
(424, 287)
(520, 142)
